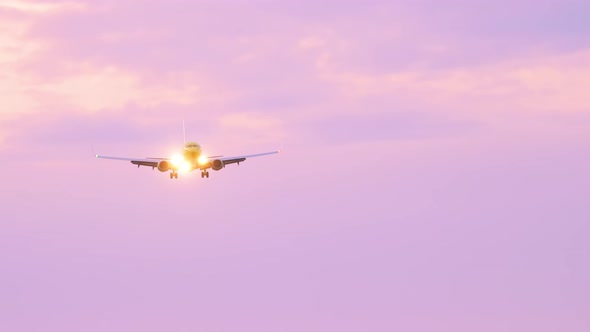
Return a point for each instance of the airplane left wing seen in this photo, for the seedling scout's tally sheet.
(135, 161)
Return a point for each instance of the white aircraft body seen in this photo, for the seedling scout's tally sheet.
(191, 159)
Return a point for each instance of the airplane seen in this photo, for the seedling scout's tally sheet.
(191, 159)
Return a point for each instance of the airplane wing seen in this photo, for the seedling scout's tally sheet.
(239, 159)
(153, 162)
(149, 162)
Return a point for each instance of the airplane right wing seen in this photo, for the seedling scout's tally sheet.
(219, 163)
(239, 159)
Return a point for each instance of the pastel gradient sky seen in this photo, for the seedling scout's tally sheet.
(434, 174)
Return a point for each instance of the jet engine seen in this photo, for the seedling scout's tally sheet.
(164, 166)
(217, 164)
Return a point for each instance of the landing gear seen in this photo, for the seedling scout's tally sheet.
(173, 175)
(204, 174)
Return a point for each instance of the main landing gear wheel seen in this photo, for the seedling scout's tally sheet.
(173, 175)
(204, 174)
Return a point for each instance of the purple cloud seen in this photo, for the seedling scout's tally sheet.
(433, 178)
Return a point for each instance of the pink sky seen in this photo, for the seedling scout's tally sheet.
(434, 174)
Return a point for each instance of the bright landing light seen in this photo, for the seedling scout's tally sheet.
(203, 160)
(185, 167)
(177, 160)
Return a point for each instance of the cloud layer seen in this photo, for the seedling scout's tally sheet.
(433, 174)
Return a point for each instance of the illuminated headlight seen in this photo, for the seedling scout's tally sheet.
(177, 160)
(203, 160)
(185, 167)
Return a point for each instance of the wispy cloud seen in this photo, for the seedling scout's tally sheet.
(308, 73)
(16, 50)
(38, 7)
(248, 128)
(545, 83)
(95, 89)
(32, 80)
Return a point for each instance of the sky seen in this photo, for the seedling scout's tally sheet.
(433, 174)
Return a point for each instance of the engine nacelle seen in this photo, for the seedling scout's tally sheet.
(217, 164)
(164, 166)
